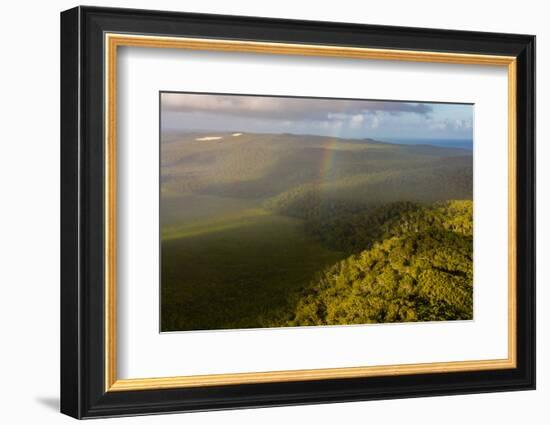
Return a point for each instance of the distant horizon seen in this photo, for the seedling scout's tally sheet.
(382, 139)
(341, 118)
(460, 143)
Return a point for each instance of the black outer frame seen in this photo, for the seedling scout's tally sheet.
(82, 218)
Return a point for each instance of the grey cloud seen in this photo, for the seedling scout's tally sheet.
(283, 108)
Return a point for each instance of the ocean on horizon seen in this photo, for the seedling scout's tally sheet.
(445, 143)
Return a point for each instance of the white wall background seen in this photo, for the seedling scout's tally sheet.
(29, 224)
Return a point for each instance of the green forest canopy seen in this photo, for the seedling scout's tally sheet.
(418, 267)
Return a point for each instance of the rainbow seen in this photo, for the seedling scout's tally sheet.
(327, 159)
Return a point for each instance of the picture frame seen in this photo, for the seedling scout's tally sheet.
(90, 40)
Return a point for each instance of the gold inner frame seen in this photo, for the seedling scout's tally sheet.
(113, 41)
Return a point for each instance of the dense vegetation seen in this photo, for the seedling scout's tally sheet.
(264, 166)
(287, 230)
(418, 268)
(241, 275)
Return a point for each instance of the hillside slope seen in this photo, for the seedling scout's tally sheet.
(418, 268)
(290, 167)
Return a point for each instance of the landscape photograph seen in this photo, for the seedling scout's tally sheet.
(291, 211)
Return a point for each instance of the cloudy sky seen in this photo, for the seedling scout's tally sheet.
(328, 117)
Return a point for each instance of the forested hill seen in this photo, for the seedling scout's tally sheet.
(295, 174)
(418, 267)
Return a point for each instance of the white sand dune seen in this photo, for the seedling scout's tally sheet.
(205, 139)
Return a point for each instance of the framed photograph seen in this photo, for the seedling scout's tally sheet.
(261, 212)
